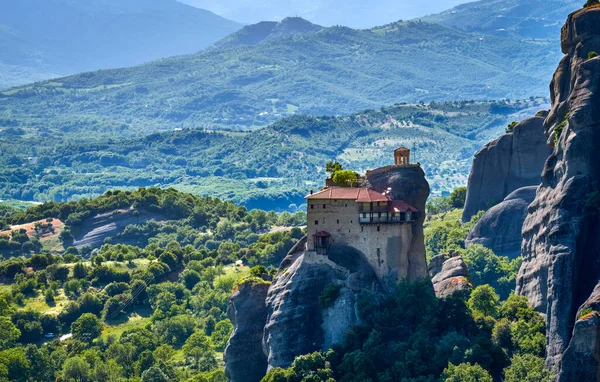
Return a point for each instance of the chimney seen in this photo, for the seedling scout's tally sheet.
(311, 192)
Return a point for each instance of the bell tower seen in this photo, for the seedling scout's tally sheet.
(401, 156)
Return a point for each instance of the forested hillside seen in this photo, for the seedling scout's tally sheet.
(350, 13)
(41, 39)
(332, 71)
(272, 168)
(128, 311)
(536, 19)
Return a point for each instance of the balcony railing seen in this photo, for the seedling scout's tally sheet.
(386, 217)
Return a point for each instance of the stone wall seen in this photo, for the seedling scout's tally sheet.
(385, 246)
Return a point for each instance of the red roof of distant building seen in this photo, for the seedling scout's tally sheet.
(400, 206)
(322, 234)
(360, 195)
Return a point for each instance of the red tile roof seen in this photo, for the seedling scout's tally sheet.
(367, 195)
(400, 206)
(360, 195)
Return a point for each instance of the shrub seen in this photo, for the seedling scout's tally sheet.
(329, 296)
(592, 55)
(589, 3)
(511, 126)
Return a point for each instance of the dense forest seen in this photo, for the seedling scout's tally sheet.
(150, 311)
(156, 310)
(272, 168)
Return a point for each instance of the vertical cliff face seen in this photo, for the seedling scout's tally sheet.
(499, 229)
(561, 234)
(296, 324)
(506, 164)
(247, 310)
(407, 183)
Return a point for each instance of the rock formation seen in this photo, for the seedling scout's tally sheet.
(448, 275)
(296, 324)
(510, 162)
(293, 321)
(244, 358)
(499, 229)
(561, 234)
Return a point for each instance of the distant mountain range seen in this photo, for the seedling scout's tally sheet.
(526, 19)
(40, 39)
(349, 13)
(268, 71)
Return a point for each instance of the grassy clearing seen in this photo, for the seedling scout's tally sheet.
(439, 220)
(139, 318)
(39, 304)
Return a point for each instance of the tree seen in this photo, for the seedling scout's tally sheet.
(333, 167)
(79, 271)
(465, 372)
(190, 278)
(458, 197)
(9, 333)
(345, 178)
(90, 303)
(75, 369)
(220, 334)
(484, 301)
(14, 365)
(86, 328)
(527, 368)
(201, 350)
(154, 374)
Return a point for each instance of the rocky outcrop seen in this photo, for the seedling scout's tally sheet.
(449, 275)
(243, 356)
(408, 183)
(581, 360)
(499, 229)
(506, 164)
(93, 231)
(561, 234)
(296, 323)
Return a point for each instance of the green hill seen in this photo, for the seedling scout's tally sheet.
(270, 168)
(537, 19)
(40, 39)
(332, 71)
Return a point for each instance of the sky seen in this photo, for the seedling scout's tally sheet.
(351, 13)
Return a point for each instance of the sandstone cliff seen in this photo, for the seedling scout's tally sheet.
(244, 358)
(499, 229)
(296, 323)
(561, 234)
(449, 274)
(510, 162)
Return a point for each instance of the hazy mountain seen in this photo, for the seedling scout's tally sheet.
(293, 67)
(532, 19)
(351, 13)
(41, 39)
(268, 30)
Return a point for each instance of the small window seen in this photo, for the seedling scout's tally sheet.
(351, 222)
(362, 228)
(324, 206)
(378, 228)
(346, 205)
(312, 206)
(338, 221)
(316, 222)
